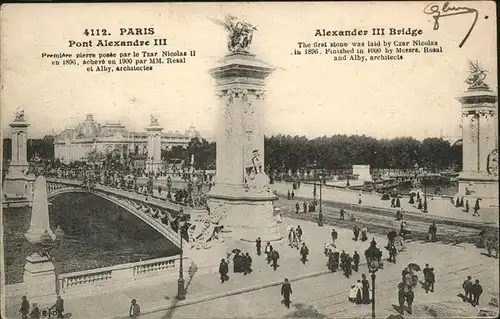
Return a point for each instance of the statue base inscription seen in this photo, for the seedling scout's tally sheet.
(18, 186)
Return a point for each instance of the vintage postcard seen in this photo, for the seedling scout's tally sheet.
(249, 160)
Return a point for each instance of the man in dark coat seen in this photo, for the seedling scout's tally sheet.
(343, 256)
(335, 265)
(432, 231)
(293, 195)
(223, 270)
(286, 291)
(275, 256)
(467, 286)
(432, 280)
(299, 233)
(356, 232)
(392, 253)
(355, 259)
(334, 236)
(342, 214)
(59, 306)
(288, 196)
(304, 251)
(409, 300)
(426, 272)
(248, 264)
(401, 298)
(304, 205)
(365, 289)
(25, 308)
(134, 310)
(297, 208)
(258, 244)
(476, 208)
(477, 290)
(348, 266)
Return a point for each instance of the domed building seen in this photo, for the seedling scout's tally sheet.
(74, 144)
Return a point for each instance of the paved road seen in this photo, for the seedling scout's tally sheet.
(437, 207)
(326, 296)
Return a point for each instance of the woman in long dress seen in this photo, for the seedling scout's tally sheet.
(359, 295)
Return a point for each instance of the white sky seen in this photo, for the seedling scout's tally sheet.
(311, 95)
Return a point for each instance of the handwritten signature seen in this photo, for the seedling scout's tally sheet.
(448, 11)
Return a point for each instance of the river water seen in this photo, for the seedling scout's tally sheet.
(98, 234)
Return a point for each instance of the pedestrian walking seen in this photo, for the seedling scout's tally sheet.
(356, 232)
(331, 262)
(297, 208)
(304, 205)
(432, 280)
(409, 300)
(342, 214)
(298, 231)
(134, 310)
(365, 289)
(304, 251)
(343, 256)
(392, 253)
(25, 308)
(275, 256)
(359, 199)
(467, 207)
(288, 195)
(355, 260)
(432, 231)
(35, 312)
(426, 273)
(476, 208)
(393, 201)
(293, 195)
(353, 293)
(286, 291)
(398, 202)
(223, 270)
(348, 266)
(59, 306)
(467, 286)
(401, 298)
(334, 235)
(268, 250)
(477, 290)
(248, 264)
(258, 244)
(364, 237)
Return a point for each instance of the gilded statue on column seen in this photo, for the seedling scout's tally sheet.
(240, 33)
(476, 77)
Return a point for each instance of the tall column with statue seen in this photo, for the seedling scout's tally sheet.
(241, 197)
(18, 184)
(479, 176)
(153, 161)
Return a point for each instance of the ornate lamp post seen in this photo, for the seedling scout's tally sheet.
(190, 191)
(320, 215)
(373, 261)
(169, 185)
(425, 191)
(181, 293)
(315, 176)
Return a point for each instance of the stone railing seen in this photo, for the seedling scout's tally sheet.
(118, 276)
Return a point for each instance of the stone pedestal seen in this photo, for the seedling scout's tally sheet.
(40, 280)
(40, 224)
(241, 191)
(479, 176)
(17, 184)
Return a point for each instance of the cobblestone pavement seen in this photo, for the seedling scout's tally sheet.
(437, 206)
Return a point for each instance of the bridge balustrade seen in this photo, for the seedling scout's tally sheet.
(119, 276)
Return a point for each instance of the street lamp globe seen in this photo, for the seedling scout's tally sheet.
(373, 257)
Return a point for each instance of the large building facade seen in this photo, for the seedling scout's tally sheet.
(75, 143)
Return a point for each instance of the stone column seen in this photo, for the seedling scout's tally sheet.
(243, 202)
(479, 176)
(154, 145)
(39, 224)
